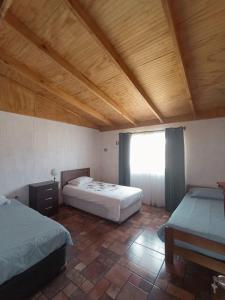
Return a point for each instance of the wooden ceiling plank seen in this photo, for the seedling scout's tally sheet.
(50, 87)
(89, 124)
(4, 6)
(173, 31)
(103, 41)
(53, 54)
(202, 115)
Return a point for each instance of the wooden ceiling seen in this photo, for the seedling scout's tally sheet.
(113, 64)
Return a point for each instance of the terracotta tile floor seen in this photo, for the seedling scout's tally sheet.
(110, 261)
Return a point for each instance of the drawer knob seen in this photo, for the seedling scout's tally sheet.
(50, 189)
(49, 198)
(47, 208)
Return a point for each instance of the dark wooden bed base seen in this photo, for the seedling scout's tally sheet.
(30, 281)
(172, 234)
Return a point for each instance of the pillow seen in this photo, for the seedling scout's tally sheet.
(207, 193)
(80, 180)
(4, 200)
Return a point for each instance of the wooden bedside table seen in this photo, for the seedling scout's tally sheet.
(43, 197)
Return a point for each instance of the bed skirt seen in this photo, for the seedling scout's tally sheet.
(101, 211)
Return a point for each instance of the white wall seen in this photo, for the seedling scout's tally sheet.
(31, 147)
(204, 151)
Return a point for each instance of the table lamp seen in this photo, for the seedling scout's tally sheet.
(54, 173)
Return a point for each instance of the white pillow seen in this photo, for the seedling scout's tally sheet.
(4, 200)
(80, 180)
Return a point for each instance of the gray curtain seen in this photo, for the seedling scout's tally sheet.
(175, 169)
(124, 158)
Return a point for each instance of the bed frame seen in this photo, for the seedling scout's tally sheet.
(29, 282)
(172, 234)
(72, 174)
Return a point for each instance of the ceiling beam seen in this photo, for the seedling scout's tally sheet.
(17, 25)
(4, 6)
(180, 59)
(50, 87)
(97, 33)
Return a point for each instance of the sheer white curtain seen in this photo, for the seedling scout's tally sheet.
(147, 166)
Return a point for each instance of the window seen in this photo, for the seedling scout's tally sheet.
(147, 166)
(147, 153)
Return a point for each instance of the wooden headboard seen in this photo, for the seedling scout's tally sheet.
(72, 174)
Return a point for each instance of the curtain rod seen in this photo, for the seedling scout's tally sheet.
(157, 130)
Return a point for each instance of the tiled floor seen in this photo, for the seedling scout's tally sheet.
(110, 261)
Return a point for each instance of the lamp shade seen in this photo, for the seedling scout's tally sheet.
(54, 172)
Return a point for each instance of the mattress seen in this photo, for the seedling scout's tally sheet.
(199, 216)
(110, 198)
(26, 237)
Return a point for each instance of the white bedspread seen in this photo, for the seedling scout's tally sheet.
(111, 196)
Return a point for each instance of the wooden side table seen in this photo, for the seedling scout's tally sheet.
(221, 184)
(43, 197)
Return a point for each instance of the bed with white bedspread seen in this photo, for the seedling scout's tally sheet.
(110, 201)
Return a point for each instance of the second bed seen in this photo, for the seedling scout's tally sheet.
(109, 201)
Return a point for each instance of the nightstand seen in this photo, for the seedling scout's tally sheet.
(43, 197)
